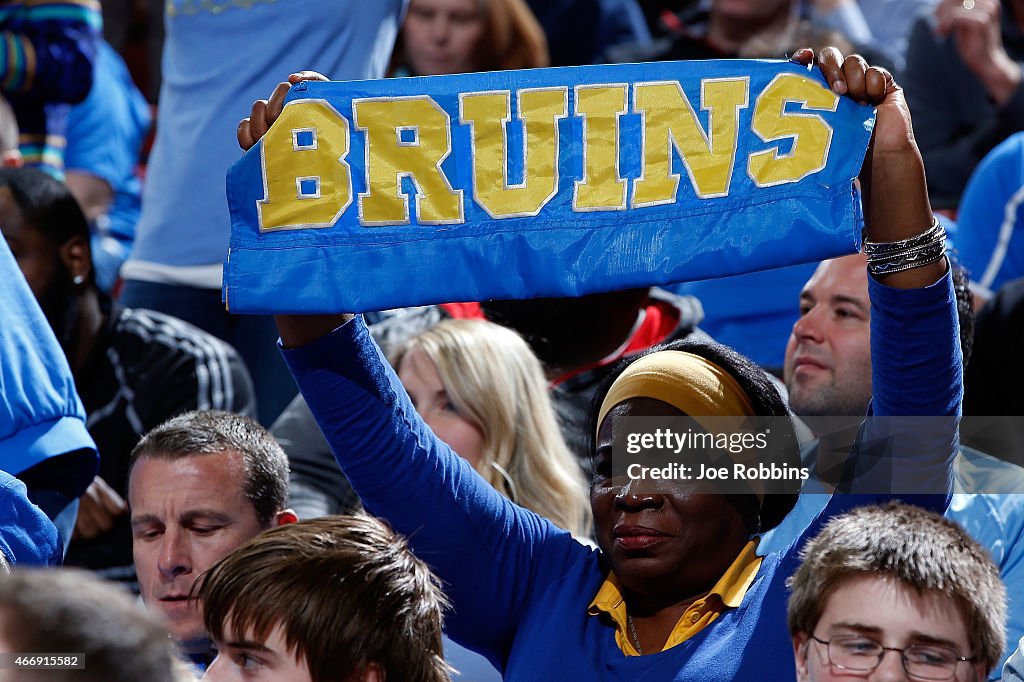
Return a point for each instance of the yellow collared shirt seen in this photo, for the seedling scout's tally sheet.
(727, 593)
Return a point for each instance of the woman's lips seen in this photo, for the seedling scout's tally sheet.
(637, 537)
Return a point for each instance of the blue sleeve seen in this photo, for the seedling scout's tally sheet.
(916, 363)
(48, 49)
(846, 19)
(27, 537)
(917, 389)
(476, 541)
(906, 447)
(623, 22)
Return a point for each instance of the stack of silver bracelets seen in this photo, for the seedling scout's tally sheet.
(885, 258)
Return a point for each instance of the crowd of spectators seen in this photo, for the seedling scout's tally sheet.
(271, 498)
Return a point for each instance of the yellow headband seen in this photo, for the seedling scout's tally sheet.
(695, 386)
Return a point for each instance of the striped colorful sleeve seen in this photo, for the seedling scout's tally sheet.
(47, 47)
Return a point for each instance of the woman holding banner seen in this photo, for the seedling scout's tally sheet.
(675, 592)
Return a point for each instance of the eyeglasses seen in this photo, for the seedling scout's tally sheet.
(856, 654)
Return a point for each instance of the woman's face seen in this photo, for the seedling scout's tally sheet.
(419, 375)
(441, 36)
(675, 539)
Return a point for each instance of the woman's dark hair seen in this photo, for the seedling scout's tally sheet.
(784, 447)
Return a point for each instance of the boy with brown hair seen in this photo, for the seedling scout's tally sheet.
(896, 580)
(330, 599)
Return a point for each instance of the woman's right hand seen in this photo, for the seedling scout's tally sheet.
(265, 111)
(295, 330)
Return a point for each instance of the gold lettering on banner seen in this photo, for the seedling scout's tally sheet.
(308, 183)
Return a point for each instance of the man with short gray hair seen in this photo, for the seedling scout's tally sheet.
(199, 486)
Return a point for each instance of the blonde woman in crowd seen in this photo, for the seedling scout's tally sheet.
(462, 36)
(482, 391)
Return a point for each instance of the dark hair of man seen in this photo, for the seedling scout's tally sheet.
(764, 398)
(66, 610)
(346, 590)
(921, 549)
(46, 203)
(212, 432)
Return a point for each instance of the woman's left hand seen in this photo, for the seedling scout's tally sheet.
(893, 184)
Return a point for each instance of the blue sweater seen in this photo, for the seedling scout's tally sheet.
(520, 586)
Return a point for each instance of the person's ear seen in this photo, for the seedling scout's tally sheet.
(76, 255)
(801, 642)
(284, 517)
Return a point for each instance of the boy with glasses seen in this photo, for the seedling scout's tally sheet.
(896, 593)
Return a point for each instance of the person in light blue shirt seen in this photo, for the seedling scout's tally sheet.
(828, 376)
(990, 242)
(218, 58)
(104, 135)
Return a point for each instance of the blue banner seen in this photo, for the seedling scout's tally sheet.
(369, 195)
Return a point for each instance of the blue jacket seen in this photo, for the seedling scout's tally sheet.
(27, 537)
